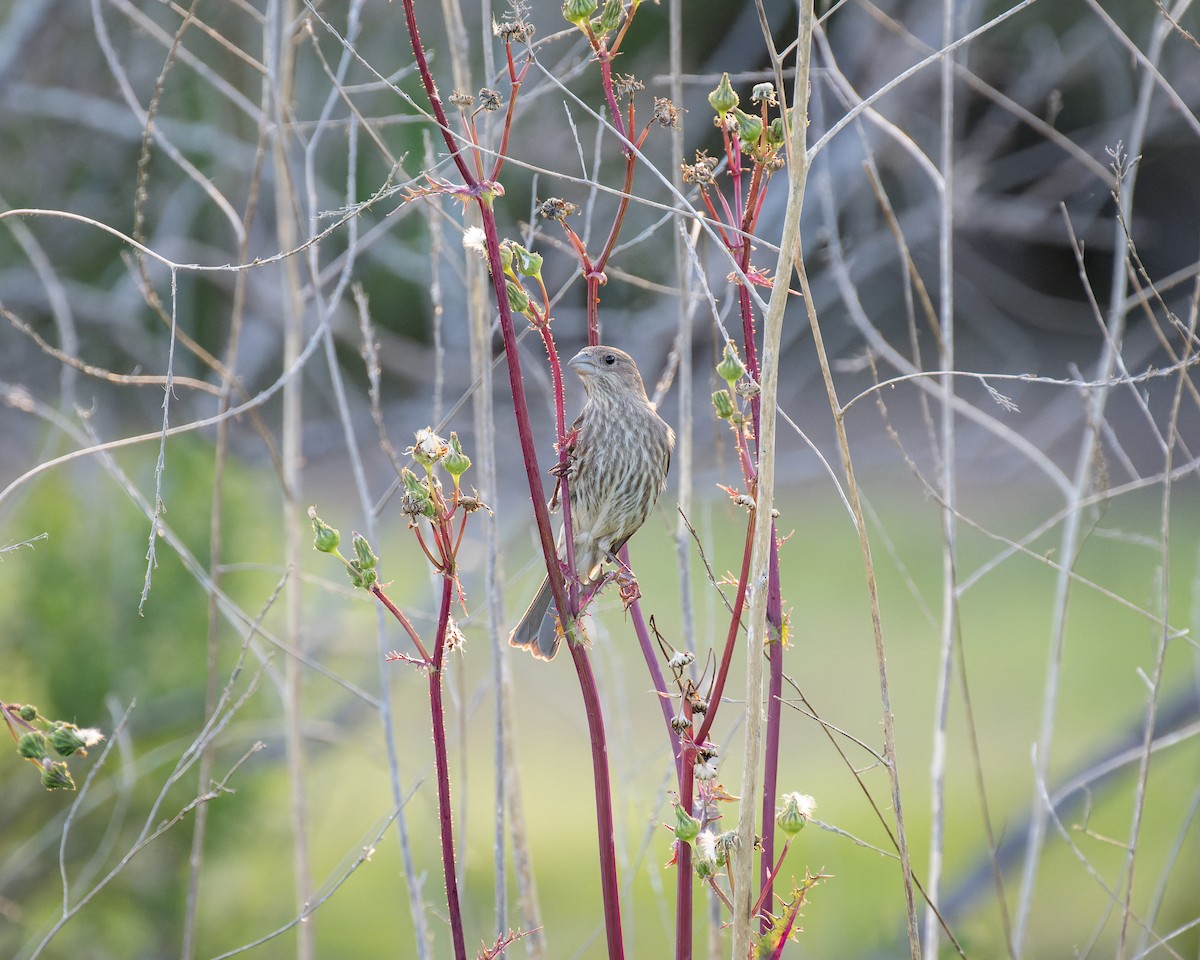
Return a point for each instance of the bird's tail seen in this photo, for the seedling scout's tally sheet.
(538, 629)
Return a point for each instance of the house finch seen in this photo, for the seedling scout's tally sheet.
(618, 468)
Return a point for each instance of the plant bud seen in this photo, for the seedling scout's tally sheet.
(723, 99)
(687, 827)
(456, 462)
(578, 11)
(731, 369)
(325, 537)
(525, 263)
(65, 739)
(776, 134)
(518, 299)
(723, 403)
(416, 501)
(749, 128)
(55, 776)
(361, 576)
(795, 810)
(364, 553)
(32, 745)
(610, 18)
(28, 713)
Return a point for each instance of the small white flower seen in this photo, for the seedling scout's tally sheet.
(706, 770)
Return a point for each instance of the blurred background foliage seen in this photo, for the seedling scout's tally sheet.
(1041, 99)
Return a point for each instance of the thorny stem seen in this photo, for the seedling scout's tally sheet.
(768, 884)
(656, 674)
(515, 81)
(402, 620)
(774, 719)
(605, 59)
(442, 764)
(439, 112)
(610, 886)
(683, 854)
(735, 622)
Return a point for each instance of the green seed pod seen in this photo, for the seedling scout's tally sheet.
(578, 12)
(723, 99)
(65, 739)
(776, 135)
(795, 810)
(750, 128)
(32, 745)
(325, 537)
(687, 827)
(724, 404)
(731, 369)
(363, 552)
(525, 263)
(456, 462)
(610, 18)
(55, 776)
(518, 299)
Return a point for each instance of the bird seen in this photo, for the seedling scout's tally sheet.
(618, 469)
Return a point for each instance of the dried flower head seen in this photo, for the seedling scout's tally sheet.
(625, 84)
(666, 113)
(461, 100)
(513, 31)
(764, 93)
(555, 208)
(489, 99)
(702, 172)
(428, 449)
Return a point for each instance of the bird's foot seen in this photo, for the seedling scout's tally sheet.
(627, 587)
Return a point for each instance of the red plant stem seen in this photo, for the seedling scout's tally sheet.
(656, 675)
(516, 383)
(564, 461)
(774, 711)
(610, 887)
(439, 112)
(442, 764)
(608, 859)
(515, 81)
(735, 622)
(402, 620)
(683, 857)
(764, 896)
(606, 79)
(630, 166)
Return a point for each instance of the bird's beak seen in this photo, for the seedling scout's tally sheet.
(583, 364)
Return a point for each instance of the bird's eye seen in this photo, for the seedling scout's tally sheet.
(610, 359)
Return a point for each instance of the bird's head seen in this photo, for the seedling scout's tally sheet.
(607, 370)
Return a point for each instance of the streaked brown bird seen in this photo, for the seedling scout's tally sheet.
(618, 468)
